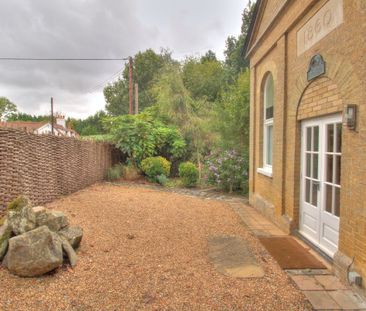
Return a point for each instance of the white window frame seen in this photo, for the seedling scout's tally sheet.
(267, 168)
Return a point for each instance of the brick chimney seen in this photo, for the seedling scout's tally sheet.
(60, 119)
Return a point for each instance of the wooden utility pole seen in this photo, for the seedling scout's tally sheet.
(136, 98)
(131, 86)
(52, 127)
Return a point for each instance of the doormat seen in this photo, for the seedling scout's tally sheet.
(290, 254)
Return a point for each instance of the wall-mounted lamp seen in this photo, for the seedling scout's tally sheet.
(350, 116)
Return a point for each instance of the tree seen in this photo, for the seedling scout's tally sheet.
(203, 78)
(142, 136)
(209, 56)
(21, 116)
(231, 119)
(7, 108)
(175, 105)
(234, 58)
(92, 125)
(147, 66)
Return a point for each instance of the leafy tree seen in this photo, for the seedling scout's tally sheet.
(209, 56)
(147, 66)
(203, 78)
(141, 136)
(234, 57)
(21, 116)
(231, 118)
(7, 108)
(90, 126)
(175, 105)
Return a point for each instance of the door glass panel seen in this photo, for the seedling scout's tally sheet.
(328, 198)
(337, 201)
(307, 191)
(329, 164)
(339, 138)
(316, 138)
(314, 194)
(315, 165)
(308, 139)
(337, 179)
(308, 165)
(330, 137)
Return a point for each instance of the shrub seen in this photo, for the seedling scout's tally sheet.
(141, 136)
(189, 174)
(131, 172)
(162, 180)
(228, 170)
(114, 172)
(155, 166)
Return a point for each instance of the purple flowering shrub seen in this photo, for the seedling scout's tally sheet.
(228, 170)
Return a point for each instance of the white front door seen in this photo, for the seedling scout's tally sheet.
(321, 152)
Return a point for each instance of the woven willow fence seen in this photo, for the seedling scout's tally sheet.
(46, 167)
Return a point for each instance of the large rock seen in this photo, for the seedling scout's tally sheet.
(34, 253)
(54, 220)
(73, 235)
(5, 234)
(22, 220)
(39, 211)
(69, 251)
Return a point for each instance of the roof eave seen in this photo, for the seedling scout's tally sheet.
(245, 51)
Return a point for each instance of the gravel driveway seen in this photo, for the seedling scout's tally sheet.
(147, 250)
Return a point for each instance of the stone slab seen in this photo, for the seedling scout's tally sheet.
(348, 300)
(320, 300)
(330, 282)
(306, 282)
(232, 256)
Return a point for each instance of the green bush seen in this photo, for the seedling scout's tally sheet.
(155, 166)
(114, 172)
(162, 180)
(228, 170)
(141, 136)
(188, 172)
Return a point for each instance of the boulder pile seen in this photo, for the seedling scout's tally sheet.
(35, 241)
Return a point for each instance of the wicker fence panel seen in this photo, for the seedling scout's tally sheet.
(46, 167)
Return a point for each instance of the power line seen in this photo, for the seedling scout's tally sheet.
(100, 84)
(60, 59)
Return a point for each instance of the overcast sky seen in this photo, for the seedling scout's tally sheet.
(99, 29)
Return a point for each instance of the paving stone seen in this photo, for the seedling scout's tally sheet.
(320, 300)
(330, 282)
(309, 272)
(348, 300)
(232, 256)
(306, 282)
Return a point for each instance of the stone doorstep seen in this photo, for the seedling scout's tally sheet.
(330, 282)
(307, 283)
(348, 300)
(321, 300)
(309, 272)
(335, 300)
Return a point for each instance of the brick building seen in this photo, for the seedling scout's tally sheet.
(308, 123)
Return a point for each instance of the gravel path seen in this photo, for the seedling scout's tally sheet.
(147, 250)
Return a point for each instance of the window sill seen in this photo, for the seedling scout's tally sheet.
(265, 171)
